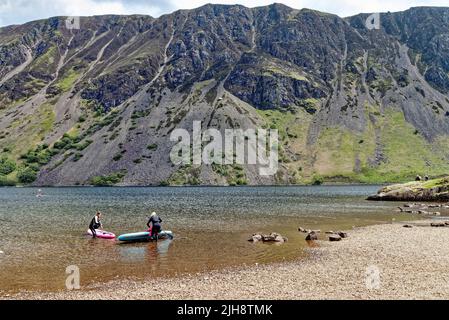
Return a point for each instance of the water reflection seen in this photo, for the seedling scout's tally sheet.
(163, 246)
(144, 251)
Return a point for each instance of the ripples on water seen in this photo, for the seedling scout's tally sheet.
(40, 237)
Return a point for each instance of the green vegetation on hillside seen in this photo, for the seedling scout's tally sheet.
(341, 155)
(108, 180)
(185, 175)
(69, 79)
(234, 174)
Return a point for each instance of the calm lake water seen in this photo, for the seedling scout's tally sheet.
(40, 237)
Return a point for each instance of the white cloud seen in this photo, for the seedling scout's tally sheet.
(20, 11)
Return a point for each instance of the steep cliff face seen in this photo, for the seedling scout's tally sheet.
(98, 104)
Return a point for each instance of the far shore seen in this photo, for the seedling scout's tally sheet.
(386, 261)
(326, 184)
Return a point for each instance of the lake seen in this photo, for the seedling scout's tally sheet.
(41, 236)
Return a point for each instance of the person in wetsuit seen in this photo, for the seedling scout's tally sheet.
(154, 224)
(95, 223)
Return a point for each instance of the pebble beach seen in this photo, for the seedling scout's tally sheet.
(385, 261)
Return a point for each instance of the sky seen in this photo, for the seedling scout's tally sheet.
(21, 11)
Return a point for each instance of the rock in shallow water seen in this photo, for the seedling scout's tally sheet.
(342, 234)
(334, 237)
(438, 224)
(279, 239)
(273, 237)
(312, 236)
(255, 238)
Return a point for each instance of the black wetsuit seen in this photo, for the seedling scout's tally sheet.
(156, 223)
(94, 225)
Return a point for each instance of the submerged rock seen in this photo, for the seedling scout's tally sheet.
(303, 230)
(422, 212)
(423, 209)
(421, 206)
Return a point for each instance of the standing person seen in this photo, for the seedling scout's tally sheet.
(154, 224)
(95, 223)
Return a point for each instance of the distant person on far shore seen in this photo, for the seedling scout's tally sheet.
(95, 223)
(154, 224)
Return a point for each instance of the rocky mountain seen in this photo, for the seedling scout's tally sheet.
(97, 105)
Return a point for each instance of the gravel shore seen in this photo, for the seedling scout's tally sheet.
(413, 263)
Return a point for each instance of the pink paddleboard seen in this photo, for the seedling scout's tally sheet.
(102, 234)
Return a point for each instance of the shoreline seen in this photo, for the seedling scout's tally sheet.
(325, 184)
(412, 264)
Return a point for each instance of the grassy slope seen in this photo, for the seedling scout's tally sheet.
(439, 185)
(68, 80)
(293, 129)
(30, 131)
(408, 153)
(337, 151)
(36, 128)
